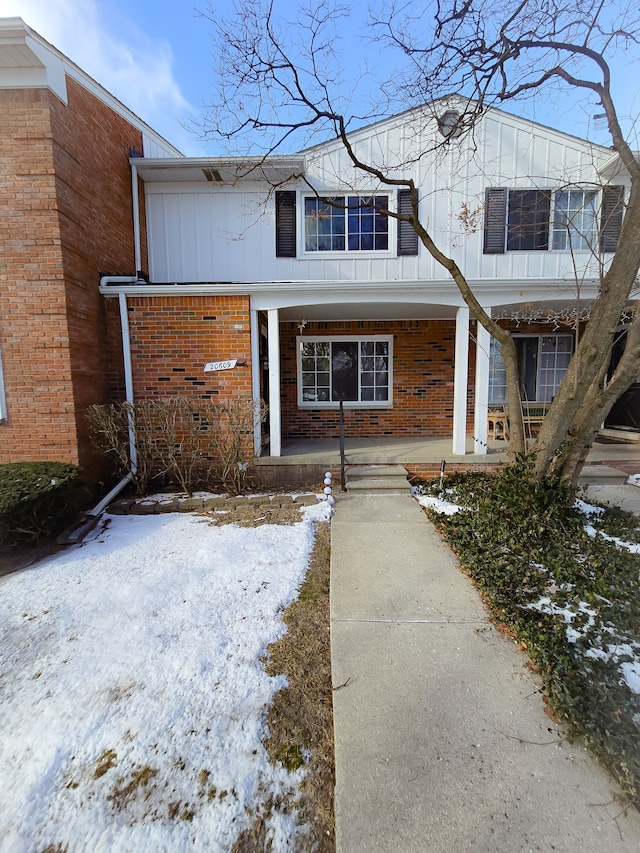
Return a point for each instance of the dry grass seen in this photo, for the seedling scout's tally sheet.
(301, 717)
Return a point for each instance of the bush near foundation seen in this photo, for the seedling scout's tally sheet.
(36, 499)
(194, 442)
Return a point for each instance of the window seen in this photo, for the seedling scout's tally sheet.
(365, 221)
(521, 220)
(542, 364)
(574, 219)
(340, 224)
(355, 370)
(528, 220)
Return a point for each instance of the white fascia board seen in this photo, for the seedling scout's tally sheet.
(278, 294)
(27, 62)
(217, 171)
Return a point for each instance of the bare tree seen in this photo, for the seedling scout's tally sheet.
(278, 85)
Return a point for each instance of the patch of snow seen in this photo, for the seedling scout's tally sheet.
(632, 547)
(631, 674)
(133, 689)
(438, 505)
(588, 509)
(594, 629)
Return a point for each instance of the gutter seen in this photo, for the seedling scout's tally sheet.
(105, 281)
(240, 288)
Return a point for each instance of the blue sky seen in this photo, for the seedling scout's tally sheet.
(155, 56)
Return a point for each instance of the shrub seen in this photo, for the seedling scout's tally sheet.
(184, 437)
(36, 499)
(113, 427)
(233, 440)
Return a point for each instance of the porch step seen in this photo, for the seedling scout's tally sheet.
(601, 475)
(377, 479)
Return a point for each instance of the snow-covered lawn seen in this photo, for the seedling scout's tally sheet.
(133, 701)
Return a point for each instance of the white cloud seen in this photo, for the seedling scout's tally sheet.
(126, 61)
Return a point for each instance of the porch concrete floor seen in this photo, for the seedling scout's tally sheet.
(381, 450)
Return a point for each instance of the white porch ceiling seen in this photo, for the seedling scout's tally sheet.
(334, 312)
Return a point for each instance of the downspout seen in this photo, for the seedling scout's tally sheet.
(128, 385)
(136, 219)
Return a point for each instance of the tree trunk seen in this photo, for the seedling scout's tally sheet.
(596, 404)
(578, 398)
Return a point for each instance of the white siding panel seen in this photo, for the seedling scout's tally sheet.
(204, 232)
(186, 237)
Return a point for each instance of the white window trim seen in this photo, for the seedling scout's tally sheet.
(348, 404)
(3, 399)
(552, 221)
(352, 254)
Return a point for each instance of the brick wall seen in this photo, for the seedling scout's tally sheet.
(173, 337)
(91, 151)
(33, 327)
(423, 374)
(65, 218)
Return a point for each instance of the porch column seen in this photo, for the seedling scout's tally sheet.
(483, 342)
(255, 380)
(460, 381)
(273, 332)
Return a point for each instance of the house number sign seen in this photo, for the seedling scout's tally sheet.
(220, 365)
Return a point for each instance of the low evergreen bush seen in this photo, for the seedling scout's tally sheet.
(36, 499)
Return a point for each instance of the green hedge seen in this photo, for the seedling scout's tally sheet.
(36, 499)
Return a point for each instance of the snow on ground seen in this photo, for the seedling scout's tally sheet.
(439, 505)
(133, 699)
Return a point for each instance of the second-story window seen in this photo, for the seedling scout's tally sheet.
(570, 219)
(346, 223)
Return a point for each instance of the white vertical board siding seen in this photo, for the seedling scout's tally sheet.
(154, 146)
(207, 233)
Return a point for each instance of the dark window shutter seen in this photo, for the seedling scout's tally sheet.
(611, 217)
(495, 221)
(285, 224)
(407, 237)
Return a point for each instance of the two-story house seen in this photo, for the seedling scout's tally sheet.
(292, 267)
(129, 269)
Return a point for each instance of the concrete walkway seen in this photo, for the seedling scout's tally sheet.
(442, 743)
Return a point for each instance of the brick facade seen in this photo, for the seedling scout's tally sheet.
(65, 219)
(423, 374)
(172, 338)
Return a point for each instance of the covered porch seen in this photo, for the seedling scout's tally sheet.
(385, 450)
(434, 379)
